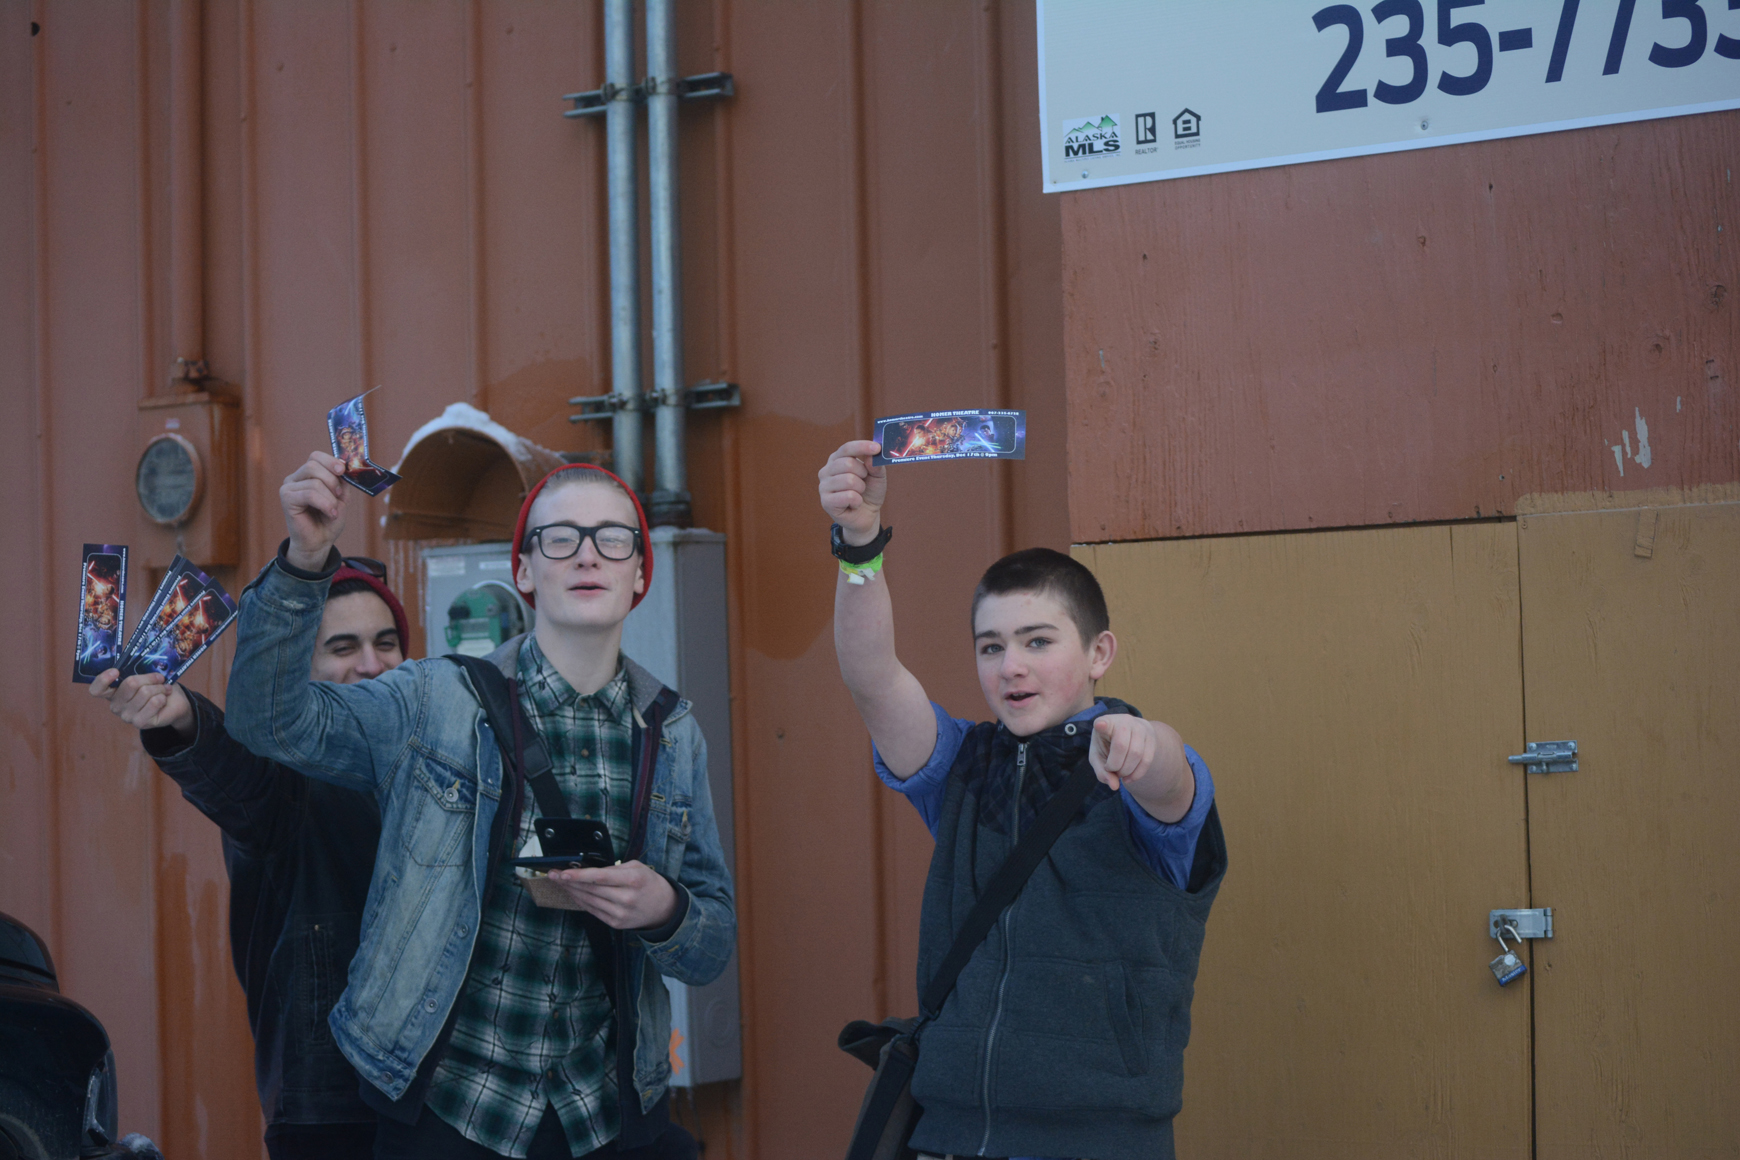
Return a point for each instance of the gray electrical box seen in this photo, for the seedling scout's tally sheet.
(677, 634)
(479, 578)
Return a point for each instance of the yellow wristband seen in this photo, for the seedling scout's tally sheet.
(859, 573)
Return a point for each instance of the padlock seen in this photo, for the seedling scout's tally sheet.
(1507, 968)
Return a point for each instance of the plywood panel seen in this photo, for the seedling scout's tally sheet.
(1631, 646)
(1349, 691)
(1417, 336)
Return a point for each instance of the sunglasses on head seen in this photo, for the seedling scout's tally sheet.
(367, 564)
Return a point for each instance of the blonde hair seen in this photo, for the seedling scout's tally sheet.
(576, 475)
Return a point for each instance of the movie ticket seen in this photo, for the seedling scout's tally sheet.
(102, 611)
(951, 435)
(349, 429)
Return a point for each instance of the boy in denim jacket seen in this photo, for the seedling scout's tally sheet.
(484, 1021)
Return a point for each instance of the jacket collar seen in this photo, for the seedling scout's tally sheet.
(1066, 736)
(643, 687)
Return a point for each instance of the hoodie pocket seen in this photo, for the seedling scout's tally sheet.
(1126, 1018)
(1077, 1037)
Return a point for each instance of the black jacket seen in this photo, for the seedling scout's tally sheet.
(299, 853)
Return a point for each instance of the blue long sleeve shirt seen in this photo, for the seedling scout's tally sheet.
(1169, 848)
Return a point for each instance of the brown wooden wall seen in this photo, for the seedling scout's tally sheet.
(1415, 336)
(392, 197)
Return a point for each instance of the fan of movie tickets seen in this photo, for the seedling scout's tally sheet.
(189, 611)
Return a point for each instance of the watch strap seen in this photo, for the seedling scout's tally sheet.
(862, 553)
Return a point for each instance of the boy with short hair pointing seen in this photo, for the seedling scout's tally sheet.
(1065, 1034)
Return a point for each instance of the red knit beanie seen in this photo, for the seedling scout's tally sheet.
(646, 559)
(386, 594)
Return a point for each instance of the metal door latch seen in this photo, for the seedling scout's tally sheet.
(1547, 757)
(1521, 924)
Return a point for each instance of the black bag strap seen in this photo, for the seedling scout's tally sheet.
(645, 738)
(501, 707)
(1005, 884)
(530, 762)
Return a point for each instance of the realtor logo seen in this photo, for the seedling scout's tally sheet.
(1089, 137)
(1186, 124)
(1147, 131)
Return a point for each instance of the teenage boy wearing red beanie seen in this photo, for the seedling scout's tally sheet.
(299, 854)
(487, 1021)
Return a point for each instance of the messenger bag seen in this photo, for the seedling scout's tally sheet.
(888, 1114)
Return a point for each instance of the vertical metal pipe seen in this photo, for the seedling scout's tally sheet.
(619, 125)
(186, 192)
(669, 501)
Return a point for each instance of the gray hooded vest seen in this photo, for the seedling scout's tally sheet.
(1065, 1034)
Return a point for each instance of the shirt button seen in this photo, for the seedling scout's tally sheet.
(452, 793)
(429, 1005)
(1070, 730)
(551, 1073)
(585, 753)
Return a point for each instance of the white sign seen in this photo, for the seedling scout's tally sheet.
(1144, 90)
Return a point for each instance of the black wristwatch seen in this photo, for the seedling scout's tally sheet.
(864, 553)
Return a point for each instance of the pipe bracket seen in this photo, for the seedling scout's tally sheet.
(604, 406)
(697, 87)
(708, 396)
(592, 103)
(700, 397)
(704, 85)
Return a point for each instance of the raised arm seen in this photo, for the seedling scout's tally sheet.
(347, 734)
(889, 698)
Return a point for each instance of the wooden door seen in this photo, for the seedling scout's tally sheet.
(1354, 694)
(1631, 647)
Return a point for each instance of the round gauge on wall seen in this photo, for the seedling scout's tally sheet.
(170, 479)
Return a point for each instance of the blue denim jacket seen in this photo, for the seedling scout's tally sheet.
(416, 738)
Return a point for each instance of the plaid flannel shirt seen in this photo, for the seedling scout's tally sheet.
(534, 1027)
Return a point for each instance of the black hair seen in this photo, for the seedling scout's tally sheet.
(1043, 570)
(351, 586)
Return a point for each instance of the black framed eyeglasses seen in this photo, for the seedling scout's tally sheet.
(367, 564)
(562, 541)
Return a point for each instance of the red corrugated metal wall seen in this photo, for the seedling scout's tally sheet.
(390, 196)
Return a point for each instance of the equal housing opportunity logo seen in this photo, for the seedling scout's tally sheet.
(1086, 137)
